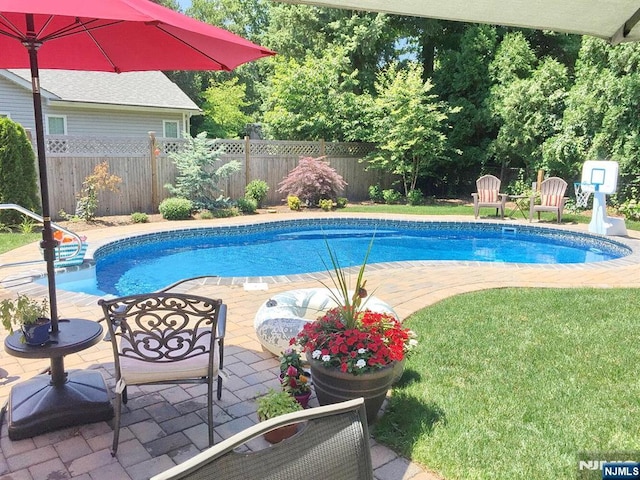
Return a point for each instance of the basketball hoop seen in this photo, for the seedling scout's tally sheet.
(582, 196)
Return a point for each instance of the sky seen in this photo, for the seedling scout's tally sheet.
(184, 4)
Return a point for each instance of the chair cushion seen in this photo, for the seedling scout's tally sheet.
(550, 200)
(135, 372)
(488, 196)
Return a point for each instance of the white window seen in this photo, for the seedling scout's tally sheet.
(170, 128)
(56, 125)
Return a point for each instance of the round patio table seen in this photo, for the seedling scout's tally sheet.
(57, 399)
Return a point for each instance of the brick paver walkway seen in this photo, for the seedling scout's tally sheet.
(164, 425)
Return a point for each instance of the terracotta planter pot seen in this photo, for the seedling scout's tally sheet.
(279, 434)
(303, 399)
(333, 386)
(37, 333)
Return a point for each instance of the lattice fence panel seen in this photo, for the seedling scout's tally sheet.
(66, 145)
(348, 149)
(230, 147)
(72, 159)
(285, 148)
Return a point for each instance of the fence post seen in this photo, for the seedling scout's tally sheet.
(153, 154)
(322, 147)
(247, 157)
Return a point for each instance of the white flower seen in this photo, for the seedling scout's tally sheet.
(362, 350)
(361, 363)
(316, 354)
(326, 358)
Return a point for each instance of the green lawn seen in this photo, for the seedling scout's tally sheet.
(9, 241)
(514, 383)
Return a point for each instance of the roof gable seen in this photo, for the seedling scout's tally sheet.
(144, 89)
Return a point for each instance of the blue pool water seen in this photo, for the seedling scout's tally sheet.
(154, 261)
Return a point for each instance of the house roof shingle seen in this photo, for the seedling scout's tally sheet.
(145, 89)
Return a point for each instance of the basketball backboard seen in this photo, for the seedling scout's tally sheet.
(600, 176)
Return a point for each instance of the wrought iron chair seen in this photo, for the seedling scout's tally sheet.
(332, 442)
(552, 198)
(488, 195)
(163, 337)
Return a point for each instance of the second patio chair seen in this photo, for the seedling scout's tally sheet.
(552, 198)
(332, 442)
(161, 338)
(488, 195)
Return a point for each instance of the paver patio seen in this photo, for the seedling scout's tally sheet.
(164, 425)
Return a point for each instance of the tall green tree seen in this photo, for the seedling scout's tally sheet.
(223, 106)
(315, 99)
(462, 79)
(601, 119)
(409, 122)
(17, 171)
(528, 100)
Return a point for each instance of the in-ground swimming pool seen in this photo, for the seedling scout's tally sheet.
(153, 261)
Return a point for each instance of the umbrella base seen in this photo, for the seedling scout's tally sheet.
(36, 406)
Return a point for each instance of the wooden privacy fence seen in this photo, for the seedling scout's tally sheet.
(144, 166)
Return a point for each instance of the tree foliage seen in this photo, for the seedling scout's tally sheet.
(17, 171)
(314, 99)
(198, 177)
(313, 180)
(409, 124)
(223, 106)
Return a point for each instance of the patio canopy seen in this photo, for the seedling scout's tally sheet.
(613, 20)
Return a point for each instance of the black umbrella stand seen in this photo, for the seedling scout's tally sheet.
(58, 399)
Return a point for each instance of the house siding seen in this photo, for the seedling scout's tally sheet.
(111, 123)
(17, 102)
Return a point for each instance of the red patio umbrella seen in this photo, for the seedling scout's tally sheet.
(98, 35)
(106, 35)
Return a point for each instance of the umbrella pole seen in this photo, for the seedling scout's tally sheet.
(48, 243)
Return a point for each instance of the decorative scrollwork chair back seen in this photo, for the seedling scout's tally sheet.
(162, 338)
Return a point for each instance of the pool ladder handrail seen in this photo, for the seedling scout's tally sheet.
(35, 216)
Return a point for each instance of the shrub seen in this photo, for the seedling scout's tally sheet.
(226, 212)
(175, 208)
(206, 214)
(414, 197)
(391, 196)
(375, 194)
(138, 217)
(294, 202)
(87, 198)
(17, 171)
(312, 180)
(247, 205)
(326, 204)
(197, 176)
(630, 209)
(256, 190)
(341, 202)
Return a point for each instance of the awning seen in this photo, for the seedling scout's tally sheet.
(613, 20)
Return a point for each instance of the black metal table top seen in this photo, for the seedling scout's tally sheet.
(74, 335)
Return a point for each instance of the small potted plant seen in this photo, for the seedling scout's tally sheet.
(294, 379)
(30, 315)
(273, 404)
